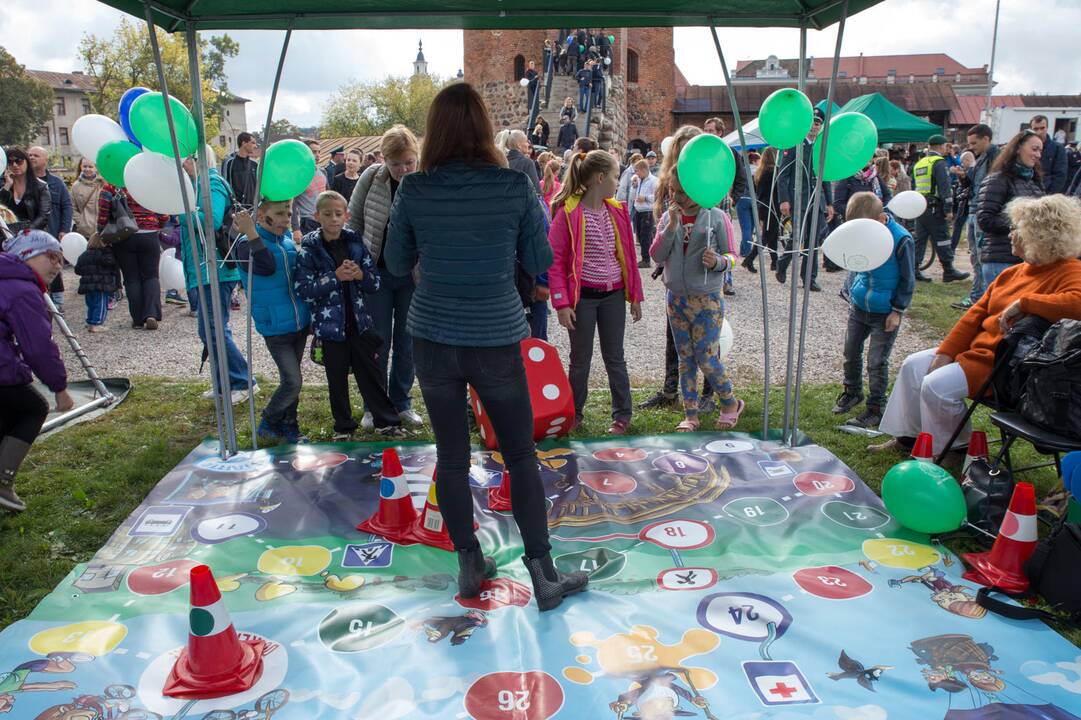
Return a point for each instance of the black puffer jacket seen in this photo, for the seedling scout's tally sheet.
(997, 190)
(96, 269)
(37, 205)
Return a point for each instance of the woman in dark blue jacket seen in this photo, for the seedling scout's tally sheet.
(470, 220)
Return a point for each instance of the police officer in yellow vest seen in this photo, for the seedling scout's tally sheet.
(932, 180)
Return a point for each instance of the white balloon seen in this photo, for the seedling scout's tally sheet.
(726, 341)
(523, 82)
(171, 271)
(152, 181)
(859, 245)
(3, 161)
(73, 246)
(90, 132)
(666, 145)
(908, 205)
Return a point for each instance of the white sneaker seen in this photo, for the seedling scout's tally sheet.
(410, 417)
(366, 422)
(209, 394)
(240, 396)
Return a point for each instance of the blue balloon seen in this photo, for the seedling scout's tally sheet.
(1071, 471)
(124, 109)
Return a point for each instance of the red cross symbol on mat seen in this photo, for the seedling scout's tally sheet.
(783, 690)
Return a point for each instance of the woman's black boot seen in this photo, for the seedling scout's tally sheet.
(473, 568)
(549, 585)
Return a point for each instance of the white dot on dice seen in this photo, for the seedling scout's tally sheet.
(551, 392)
(536, 354)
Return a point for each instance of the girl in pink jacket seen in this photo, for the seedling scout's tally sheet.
(594, 275)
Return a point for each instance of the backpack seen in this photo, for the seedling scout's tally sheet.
(1052, 390)
(1009, 375)
(121, 223)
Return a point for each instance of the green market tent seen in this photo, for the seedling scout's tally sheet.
(895, 125)
(487, 14)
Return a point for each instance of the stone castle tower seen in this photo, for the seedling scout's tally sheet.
(641, 95)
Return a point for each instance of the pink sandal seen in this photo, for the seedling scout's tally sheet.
(728, 420)
(687, 425)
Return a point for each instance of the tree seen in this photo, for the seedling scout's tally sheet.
(281, 130)
(125, 60)
(371, 108)
(26, 101)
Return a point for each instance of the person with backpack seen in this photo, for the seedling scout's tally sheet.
(929, 395)
(221, 203)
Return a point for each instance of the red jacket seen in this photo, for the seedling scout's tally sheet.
(567, 236)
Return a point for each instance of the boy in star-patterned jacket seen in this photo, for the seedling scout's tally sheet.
(334, 271)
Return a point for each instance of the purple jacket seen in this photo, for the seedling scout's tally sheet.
(26, 337)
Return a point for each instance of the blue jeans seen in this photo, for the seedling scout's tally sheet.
(288, 352)
(97, 307)
(861, 325)
(745, 215)
(389, 307)
(975, 237)
(989, 271)
(538, 320)
(238, 366)
(583, 97)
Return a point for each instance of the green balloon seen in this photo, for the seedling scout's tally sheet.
(707, 168)
(113, 158)
(151, 127)
(852, 142)
(288, 169)
(924, 497)
(611, 38)
(785, 118)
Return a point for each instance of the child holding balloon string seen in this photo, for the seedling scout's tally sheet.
(696, 249)
(878, 299)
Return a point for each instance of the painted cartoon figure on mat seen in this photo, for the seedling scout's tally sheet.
(955, 662)
(659, 695)
(956, 599)
(113, 702)
(854, 669)
(458, 628)
(15, 681)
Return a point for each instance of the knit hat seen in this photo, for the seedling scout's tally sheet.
(28, 243)
(937, 140)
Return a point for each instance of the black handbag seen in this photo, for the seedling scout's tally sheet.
(1052, 397)
(987, 494)
(1052, 574)
(121, 223)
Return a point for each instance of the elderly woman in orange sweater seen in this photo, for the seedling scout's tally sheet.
(929, 395)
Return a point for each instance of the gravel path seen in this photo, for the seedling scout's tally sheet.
(173, 351)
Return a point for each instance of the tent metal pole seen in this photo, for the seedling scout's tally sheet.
(270, 113)
(223, 411)
(795, 243)
(820, 163)
(210, 250)
(755, 233)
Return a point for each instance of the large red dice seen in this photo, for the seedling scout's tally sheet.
(549, 394)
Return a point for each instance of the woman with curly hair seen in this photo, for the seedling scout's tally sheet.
(929, 395)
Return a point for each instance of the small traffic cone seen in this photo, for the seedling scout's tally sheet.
(396, 515)
(499, 496)
(977, 450)
(1003, 566)
(430, 529)
(216, 662)
(923, 450)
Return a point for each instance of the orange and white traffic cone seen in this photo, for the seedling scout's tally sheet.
(396, 515)
(216, 661)
(977, 450)
(923, 450)
(1003, 566)
(499, 497)
(430, 528)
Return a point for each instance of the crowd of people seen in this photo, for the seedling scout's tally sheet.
(400, 283)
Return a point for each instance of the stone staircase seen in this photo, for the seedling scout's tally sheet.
(563, 87)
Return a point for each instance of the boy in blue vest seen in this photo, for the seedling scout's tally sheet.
(280, 315)
(334, 271)
(878, 299)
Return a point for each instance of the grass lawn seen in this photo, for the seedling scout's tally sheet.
(81, 483)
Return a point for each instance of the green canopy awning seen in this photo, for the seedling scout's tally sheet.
(487, 14)
(894, 124)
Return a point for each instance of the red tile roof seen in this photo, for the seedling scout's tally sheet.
(63, 81)
(919, 99)
(870, 66)
(969, 107)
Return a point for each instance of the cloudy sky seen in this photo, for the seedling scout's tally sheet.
(1037, 51)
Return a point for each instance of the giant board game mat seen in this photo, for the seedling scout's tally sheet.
(730, 578)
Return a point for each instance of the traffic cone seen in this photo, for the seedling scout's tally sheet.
(430, 528)
(923, 450)
(216, 662)
(1003, 566)
(499, 496)
(977, 450)
(396, 514)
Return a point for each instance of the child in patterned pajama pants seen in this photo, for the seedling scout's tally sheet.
(696, 328)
